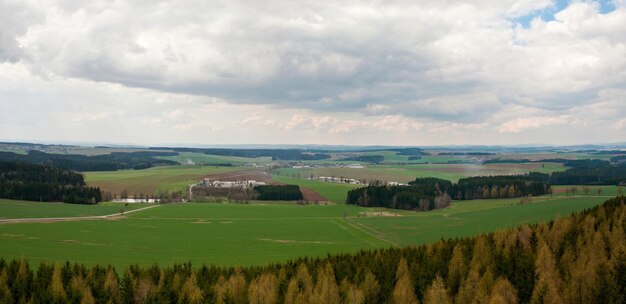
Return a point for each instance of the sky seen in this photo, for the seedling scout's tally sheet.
(415, 73)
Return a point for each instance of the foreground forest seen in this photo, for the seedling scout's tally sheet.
(575, 259)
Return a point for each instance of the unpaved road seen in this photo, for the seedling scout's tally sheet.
(72, 218)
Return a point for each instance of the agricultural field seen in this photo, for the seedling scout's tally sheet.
(152, 180)
(12, 209)
(406, 173)
(261, 233)
(201, 158)
(593, 190)
(334, 192)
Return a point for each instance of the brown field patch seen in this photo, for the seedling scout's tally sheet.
(312, 196)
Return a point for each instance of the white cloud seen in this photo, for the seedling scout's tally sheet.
(313, 70)
(523, 123)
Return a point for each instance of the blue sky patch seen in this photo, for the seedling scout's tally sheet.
(547, 14)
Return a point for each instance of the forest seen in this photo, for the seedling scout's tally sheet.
(590, 172)
(278, 193)
(41, 183)
(105, 162)
(244, 194)
(433, 193)
(576, 259)
(374, 159)
(275, 154)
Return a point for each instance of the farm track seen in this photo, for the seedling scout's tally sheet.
(113, 216)
(371, 232)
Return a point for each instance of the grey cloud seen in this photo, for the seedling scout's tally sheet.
(428, 59)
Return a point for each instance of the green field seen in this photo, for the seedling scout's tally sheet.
(334, 192)
(406, 173)
(149, 181)
(469, 218)
(201, 158)
(10, 209)
(237, 234)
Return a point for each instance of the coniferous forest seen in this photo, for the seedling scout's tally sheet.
(32, 182)
(576, 259)
(433, 193)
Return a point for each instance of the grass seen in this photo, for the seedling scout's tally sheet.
(201, 158)
(24, 209)
(406, 173)
(149, 181)
(255, 234)
(225, 234)
(469, 218)
(605, 191)
(334, 192)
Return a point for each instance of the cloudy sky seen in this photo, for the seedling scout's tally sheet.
(426, 72)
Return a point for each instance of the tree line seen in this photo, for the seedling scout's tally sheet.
(577, 259)
(245, 194)
(275, 154)
(32, 182)
(433, 193)
(278, 193)
(105, 162)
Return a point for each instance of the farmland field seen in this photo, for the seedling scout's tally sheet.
(406, 173)
(334, 192)
(149, 181)
(201, 158)
(238, 234)
(23, 209)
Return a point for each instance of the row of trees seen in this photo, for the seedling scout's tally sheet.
(279, 193)
(105, 162)
(577, 259)
(275, 154)
(41, 183)
(501, 186)
(434, 193)
(590, 172)
(245, 194)
(423, 194)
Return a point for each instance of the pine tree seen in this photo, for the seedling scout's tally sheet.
(351, 293)
(300, 287)
(56, 290)
(503, 292)
(403, 292)
(370, 288)
(236, 287)
(457, 268)
(263, 289)
(190, 293)
(548, 284)
(219, 290)
(326, 289)
(112, 288)
(145, 291)
(5, 292)
(437, 293)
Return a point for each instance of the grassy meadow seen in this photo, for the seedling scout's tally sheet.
(406, 173)
(149, 181)
(334, 192)
(201, 158)
(261, 233)
(11, 209)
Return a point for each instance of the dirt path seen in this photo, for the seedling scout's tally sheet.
(72, 218)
